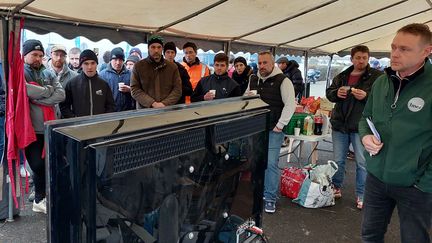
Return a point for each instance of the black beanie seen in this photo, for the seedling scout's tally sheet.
(117, 53)
(87, 55)
(32, 45)
(240, 59)
(170, 46)
(133, 59)
(155, 39)
(190, 44)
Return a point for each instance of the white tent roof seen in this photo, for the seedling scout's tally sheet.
(328, 26)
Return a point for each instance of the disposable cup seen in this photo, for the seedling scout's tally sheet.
(346, 88)
(296, 131)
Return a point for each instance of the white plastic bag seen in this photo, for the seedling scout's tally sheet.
(316, 190)
(322, 174)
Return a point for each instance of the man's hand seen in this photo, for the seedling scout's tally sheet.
(277, 129)
(158, 105)
(342, 92)
(372, 144)
(209, 96)
(358, 93)
(125, 88)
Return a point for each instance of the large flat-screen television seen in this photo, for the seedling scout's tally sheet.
(179, 174)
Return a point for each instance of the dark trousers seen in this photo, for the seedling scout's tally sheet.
(33, 154)
(414, 209)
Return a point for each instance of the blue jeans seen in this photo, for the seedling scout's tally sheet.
(272, 173)
(414, 210)
(341, 142)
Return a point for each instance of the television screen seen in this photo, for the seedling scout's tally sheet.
(180, 174)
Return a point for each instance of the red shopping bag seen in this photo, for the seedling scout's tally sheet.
(291, 181)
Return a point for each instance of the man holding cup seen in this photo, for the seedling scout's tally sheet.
(118, 78)
(349, 91)
(218, 85)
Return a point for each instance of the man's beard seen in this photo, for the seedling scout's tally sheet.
(57, 64)
(36, 65)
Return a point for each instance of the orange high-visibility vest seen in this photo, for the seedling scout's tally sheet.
(196, 72)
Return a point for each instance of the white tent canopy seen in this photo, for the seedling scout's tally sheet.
(320, 26)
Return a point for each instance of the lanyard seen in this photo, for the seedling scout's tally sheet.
(393, 106)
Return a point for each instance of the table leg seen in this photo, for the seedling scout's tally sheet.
(314, 152)
(290, 145)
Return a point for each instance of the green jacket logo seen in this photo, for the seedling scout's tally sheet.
(416, 104)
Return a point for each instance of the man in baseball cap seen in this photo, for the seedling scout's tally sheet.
(58, 64)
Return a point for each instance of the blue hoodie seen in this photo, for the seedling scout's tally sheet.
(123, 101)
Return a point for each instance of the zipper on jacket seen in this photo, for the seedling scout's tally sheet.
(91, 98)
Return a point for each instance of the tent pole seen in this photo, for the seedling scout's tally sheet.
(227, 48)
(8, 25)
(307, 83)
(328, 81)
(273, 51)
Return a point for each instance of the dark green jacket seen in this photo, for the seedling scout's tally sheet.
(347, 112)
(406, 131)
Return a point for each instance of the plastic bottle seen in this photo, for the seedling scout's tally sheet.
(318, 120)
(310, 127)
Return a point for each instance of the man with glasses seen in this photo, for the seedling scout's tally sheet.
(195, 68)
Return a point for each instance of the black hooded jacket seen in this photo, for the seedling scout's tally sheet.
(87, 96)
(225, 87)
(347, 112)
(294, 74)
(243, 79)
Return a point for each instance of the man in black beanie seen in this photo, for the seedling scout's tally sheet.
(155, 82)
(43, 90)
(118, 78)
(87, 94)
(170, 51)
(241, 73)
(130, 61)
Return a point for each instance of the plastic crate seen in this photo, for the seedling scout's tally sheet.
(289, 129)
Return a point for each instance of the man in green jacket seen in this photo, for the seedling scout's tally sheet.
(399, 155)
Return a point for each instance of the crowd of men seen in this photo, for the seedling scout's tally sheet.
(393, 170)
(76, 88)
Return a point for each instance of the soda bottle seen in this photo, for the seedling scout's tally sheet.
(318, 124)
